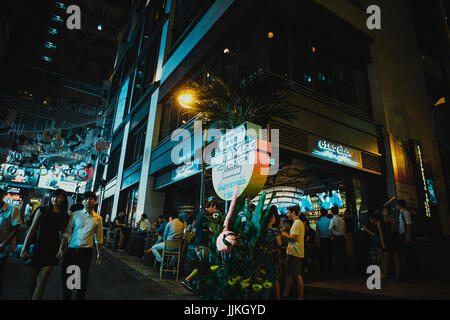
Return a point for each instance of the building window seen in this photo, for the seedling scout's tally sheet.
(57, 18)
(136, 145)
(49, 45)
(113, 166)
(45, 58)
(60, 5)
(53, 31)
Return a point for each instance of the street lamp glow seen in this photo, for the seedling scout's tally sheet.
(186, 100)
(440, 101)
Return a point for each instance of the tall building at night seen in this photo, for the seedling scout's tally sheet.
(53, 77)
(362, 90)
(46, 65)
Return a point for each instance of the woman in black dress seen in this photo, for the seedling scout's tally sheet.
(48, 223)
(388, 241)
(271, 242)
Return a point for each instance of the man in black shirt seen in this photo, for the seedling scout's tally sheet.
(119, 223)
(201, 241)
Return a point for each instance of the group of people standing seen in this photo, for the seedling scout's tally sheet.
(387, 238)
(57, 235)
(292, 244)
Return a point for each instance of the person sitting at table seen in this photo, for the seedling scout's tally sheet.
(192, 226)
(173, 231)
(185, 217)
(160, 230)
(119, 224)
(158, 222)
(144, 224)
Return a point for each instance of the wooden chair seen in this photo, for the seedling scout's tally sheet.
(172, 249)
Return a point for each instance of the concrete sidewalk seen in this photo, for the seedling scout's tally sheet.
(390, 288)
(168, 281)
(320, 286)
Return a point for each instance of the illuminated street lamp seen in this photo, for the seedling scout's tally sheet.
(186, 99)
(440, 101)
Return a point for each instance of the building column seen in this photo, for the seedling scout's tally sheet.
(152, 202)
(118, 187)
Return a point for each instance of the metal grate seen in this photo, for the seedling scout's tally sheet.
(371, 162)
(292, 137)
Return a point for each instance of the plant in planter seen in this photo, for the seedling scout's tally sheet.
(240, 273)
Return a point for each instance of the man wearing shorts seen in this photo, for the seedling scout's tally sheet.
(295, 252)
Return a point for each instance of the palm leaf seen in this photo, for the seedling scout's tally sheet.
(233, 100)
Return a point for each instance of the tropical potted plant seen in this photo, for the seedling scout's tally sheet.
(227, 102)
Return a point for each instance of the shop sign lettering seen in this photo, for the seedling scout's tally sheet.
(336, 153)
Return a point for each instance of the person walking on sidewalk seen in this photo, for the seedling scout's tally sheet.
(337, 233)
(200, 242)
(10, 223)
(84, 228)
(47, 226)
(295, 252)
(406, 241)
(323, 229)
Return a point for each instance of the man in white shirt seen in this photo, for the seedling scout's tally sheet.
(10, 222)
(337, 233)
(83, 226)
(295, 252)
(144, 224)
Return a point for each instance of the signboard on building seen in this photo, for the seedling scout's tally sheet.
(403, 172)
(19, 175)
(241, 159)
(334, 152)
(56, 179)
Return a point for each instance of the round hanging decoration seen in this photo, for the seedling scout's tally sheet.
(4, 152)
(58, 144)
(90, 170)
(11, 170)
(14, 157)
(102, 145)
(84, 172)
(52, 134)
(18, 157)
(103, 159)
(44, 171)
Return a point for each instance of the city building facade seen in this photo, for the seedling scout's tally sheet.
(361, 90)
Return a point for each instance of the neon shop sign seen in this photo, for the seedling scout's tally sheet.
(335, 152)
